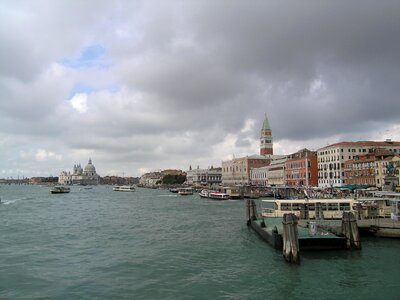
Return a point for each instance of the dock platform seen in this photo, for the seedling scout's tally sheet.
(380, 227)
(272, 233)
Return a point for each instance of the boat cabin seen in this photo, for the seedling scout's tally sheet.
(234, 192)
(380, 205)
(329, 208)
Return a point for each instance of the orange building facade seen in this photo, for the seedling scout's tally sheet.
(360, 170)
(302, 168)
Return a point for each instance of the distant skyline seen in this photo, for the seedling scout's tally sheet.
(139, 86)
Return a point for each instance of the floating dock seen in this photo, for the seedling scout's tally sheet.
(380, 227)
(286, 234)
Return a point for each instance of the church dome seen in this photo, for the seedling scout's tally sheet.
(89, 168)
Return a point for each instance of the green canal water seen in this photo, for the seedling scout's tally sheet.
(152, 244)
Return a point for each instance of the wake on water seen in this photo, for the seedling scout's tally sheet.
(11, 201)
(6, 202)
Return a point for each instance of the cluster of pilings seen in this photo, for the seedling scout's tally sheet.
(290, 239)
(350, 230)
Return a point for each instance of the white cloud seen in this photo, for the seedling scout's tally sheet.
(79, 102)
(44, 155)
(248, 126)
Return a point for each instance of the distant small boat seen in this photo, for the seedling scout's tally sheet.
(60, 190)
(173, 190)
(124, 188)
(218, 196)
(185, 191)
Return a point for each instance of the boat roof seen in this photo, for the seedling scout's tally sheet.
(309, 200)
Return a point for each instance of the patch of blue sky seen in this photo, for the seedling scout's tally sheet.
(80, 88)
(90, 57)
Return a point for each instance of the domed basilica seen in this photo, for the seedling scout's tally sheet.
(86, 176)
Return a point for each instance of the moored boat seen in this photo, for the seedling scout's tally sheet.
(311, 208)
(233, 192)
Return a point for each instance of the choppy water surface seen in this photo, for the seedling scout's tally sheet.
(151, 244)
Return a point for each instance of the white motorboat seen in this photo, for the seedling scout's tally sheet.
(124, 188)
(204, 193)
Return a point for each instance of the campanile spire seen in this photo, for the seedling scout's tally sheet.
(266, 138)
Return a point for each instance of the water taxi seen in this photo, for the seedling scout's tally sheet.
(218, 196)
(124, 188)
(185, 191)
(60, 189)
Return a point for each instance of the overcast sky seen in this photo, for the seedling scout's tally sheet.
(146, 85)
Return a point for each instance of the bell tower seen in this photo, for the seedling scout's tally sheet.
(266, 138)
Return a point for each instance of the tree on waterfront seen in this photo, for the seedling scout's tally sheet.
(174, 179)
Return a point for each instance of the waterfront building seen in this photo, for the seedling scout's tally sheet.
(266, 142)
(276, 172)
(271, 174)
(360, 170)
(302, 168)
(237, 170)
(207, 177)
(259, 176)
(86, 176)
(331, 158)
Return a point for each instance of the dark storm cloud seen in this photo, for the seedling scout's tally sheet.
(277, 53)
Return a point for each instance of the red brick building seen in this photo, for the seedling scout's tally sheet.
(302, 168)
(360, 170)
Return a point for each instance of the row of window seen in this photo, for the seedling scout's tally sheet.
(298, 165)
(233, 169)
(328, 182)
(353, 150)
(266, 141)
(311, 206)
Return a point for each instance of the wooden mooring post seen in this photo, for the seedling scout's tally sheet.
(290, 239)
(350, 230)
(251, 211)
